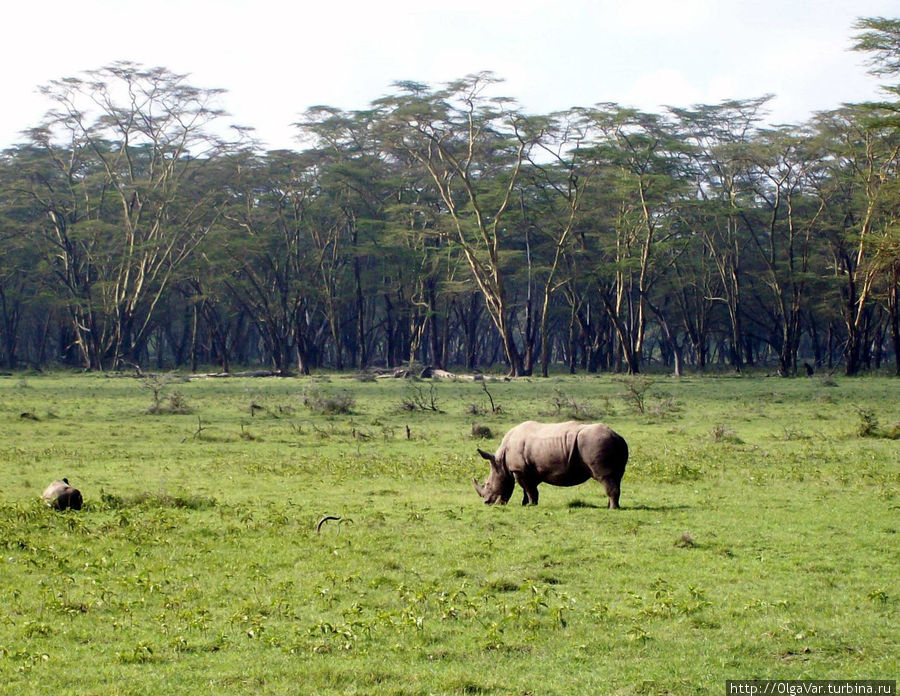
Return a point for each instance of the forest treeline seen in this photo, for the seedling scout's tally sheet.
(446, 226)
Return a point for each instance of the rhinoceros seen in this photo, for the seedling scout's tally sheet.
(60, 495)
(561, 454)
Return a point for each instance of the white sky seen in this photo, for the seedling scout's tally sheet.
(278, 57)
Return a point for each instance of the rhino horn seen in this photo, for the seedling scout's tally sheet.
(478, 487)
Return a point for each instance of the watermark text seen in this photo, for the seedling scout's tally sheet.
(819, 687)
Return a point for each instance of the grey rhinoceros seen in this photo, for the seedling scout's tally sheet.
(60, 496)
(561, 454)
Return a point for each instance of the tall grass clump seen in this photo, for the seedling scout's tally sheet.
(321, 402)
(164, 400)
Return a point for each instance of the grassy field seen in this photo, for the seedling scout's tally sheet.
(757, 539)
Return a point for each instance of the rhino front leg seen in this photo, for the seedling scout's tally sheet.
(529, 490)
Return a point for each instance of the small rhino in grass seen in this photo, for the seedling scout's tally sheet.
(59, 495)
(561, 454)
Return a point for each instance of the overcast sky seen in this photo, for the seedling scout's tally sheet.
(276, 58)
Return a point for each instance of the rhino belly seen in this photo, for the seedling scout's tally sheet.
(568, 476)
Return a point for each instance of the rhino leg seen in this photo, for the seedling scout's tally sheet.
(529, 489)
(612, 490)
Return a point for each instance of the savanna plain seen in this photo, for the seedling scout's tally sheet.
(758, 537)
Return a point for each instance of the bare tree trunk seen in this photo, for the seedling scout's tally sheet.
(894, 312)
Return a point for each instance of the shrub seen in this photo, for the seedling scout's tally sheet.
(722, 433)
(162, 402)
(178, 403)
(636, 388)
(868, 422)
(664, 408)
(481, 432)
(328, 404)
(417, 400)
(791, 432)
(566, 406)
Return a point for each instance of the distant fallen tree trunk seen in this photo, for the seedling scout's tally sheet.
(252, 373)
(427, 373)
(444, 374)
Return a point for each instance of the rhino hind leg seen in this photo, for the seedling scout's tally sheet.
(76, 500)
(611, 483)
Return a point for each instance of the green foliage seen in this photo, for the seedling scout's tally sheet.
(722, 433)
(568, 407)
(164, 400)
(868, 422)
(880, 38)
(319, 401)
(636, 391)
(443, 225)
(481, 432)
(869, 426)
(196, 565)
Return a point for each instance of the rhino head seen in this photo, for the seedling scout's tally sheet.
(498, 487)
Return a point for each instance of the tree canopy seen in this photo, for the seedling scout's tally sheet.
(445, 225)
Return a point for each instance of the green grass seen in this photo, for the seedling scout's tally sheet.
(757, 539)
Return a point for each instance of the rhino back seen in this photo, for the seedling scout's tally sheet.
(544, 448)
(52, 492)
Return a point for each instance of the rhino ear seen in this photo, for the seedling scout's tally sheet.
(487, 455)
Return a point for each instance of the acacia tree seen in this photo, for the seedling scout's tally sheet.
(271, 263)
(114, 155)
(783, 232)
(16, 273)
(472, 148)
(640, 191)
(358, 187)
(719, 137)
(442, 224)
(19, 283)
(879, 37)
(551, 195)
(862, 168)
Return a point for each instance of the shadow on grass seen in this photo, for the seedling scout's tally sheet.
(656, 508)
(574, 504)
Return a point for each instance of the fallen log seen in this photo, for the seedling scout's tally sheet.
(252, 373)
